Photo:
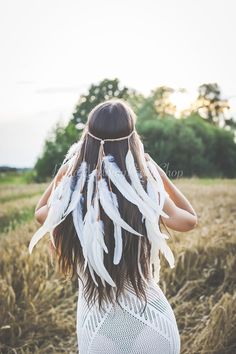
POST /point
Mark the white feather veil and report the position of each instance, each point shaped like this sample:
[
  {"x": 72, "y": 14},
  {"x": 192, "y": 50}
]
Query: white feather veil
[{"x": 68, "y": 197}]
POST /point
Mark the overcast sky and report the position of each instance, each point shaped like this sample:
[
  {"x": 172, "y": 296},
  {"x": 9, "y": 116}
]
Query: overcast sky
[{"x": 51, "y": 51}]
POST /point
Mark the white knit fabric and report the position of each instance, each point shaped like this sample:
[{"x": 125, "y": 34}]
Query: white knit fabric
[{"x": 113, "y": 330}]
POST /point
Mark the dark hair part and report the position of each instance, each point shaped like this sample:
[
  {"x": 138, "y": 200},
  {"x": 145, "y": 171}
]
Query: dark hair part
[{"x": 110, "y": 119}]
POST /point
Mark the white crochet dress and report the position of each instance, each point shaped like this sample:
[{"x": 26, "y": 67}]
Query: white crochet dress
[{"x": 128, "y": 330}]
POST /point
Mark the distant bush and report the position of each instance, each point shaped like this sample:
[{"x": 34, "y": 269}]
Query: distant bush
[
  {"x": 189, "y": 147},
  {"x": 54, "y": 150},
  {"x": 15, "y": 176}
]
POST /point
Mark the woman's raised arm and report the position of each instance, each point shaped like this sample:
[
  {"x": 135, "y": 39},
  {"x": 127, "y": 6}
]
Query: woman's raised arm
[
  {"x": 182, "y": 215},
  {"x": 41, "y": 209}
]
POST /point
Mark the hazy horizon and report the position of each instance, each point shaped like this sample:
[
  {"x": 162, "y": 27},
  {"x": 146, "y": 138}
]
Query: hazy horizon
[{"x": 53, "y": 51}]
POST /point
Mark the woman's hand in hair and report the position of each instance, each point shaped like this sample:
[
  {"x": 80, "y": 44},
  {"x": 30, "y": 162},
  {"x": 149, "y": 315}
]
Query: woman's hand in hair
[{"x": 182, "y": 215}]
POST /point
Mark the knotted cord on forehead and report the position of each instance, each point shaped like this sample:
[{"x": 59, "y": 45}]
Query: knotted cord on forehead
[
  {"x": 101, "y": 152},
  {"x": 111, "y": 139}
]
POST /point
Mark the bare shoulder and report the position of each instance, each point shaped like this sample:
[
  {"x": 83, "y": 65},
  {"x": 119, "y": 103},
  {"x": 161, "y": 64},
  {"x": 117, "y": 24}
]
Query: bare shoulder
[
  {"x": 63, "y": 168},
  {"x": 61, "y": 172}
]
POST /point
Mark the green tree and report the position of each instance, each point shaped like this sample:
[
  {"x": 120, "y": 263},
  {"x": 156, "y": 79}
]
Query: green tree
[
  {"x": 61, "y": 138},
  {"x": 158, "y": 104},
  {"x": 187, "y": 147},
  {"x": 211, "y": 106},
  {"x": 105, "y": 90},
  {"x": 173, "y": 145},
  {"x": 55, "y": 147},
  {"x": 162, "y": 101},
  {"x": 191, "y": 146}
]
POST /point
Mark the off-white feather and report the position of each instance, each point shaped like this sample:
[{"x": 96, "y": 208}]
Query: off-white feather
[
  {"x": 90, "y": 230},
  {"x": 94, "y": 249},
  {"x": 55, "y": 212},
  {"x": 136, "y": 183},
  {"x": 155, "y": 196},
  {"x": 92, "y": 273},
  {"x": 118, "y": 244},
  {"x": 88, "y": 233},
  {"x": 37, "y": 236},
  {"x": 157, "y": 177},
  {"x": 98, "y": 254},
  {"x": 77, "y": 215},
  {"x": 86, "y": 248},
  {"x": 157, "y": 266},
  {"x": 98, "y": 244},
  {"x": 90, "y": 187},
  {"x": 82, "y": 171},
  {"x": 157, "y": 183},
  {"x": 110, "y": 209},
  {"x": 158, "y": 241},
  {"x": 117, "y": 235},
  {"x": 99, "y": 225},
  {"x": 88, "y": 225},
  {"x": 119, "y": 180},
  {"x": 73, "y": 149}
]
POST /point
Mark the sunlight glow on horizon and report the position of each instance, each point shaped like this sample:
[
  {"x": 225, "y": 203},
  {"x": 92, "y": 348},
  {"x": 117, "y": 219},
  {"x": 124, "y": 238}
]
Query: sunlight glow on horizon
[{"x": 53, "y": 51}]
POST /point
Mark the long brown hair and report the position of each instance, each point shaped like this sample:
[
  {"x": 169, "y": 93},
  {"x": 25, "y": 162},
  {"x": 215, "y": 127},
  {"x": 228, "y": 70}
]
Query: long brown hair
[{"x": 113, "y": 118}]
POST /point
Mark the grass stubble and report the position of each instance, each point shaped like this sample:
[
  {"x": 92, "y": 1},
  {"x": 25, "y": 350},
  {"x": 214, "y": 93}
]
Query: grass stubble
[{"x": 38, "y": 306}]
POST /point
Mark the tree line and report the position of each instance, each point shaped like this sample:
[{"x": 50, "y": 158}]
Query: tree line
[{"x": 201, "y": 142}]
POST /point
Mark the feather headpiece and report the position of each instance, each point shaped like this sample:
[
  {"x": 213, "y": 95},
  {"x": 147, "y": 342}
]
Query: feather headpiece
[{"x": 67, "y": 197}]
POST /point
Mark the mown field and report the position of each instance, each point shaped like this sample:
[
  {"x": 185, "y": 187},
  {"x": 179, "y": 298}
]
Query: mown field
[{"x": 38, "y": 307}]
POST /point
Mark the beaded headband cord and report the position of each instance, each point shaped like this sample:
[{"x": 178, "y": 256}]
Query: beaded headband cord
[
  {"x": 69, "y": 197},
  {"x": 101, "y": 152},
  {"x": 113, "y": 139}
]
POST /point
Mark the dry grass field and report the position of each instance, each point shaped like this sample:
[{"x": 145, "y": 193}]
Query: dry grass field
[{"x": 38, "y": 307}]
